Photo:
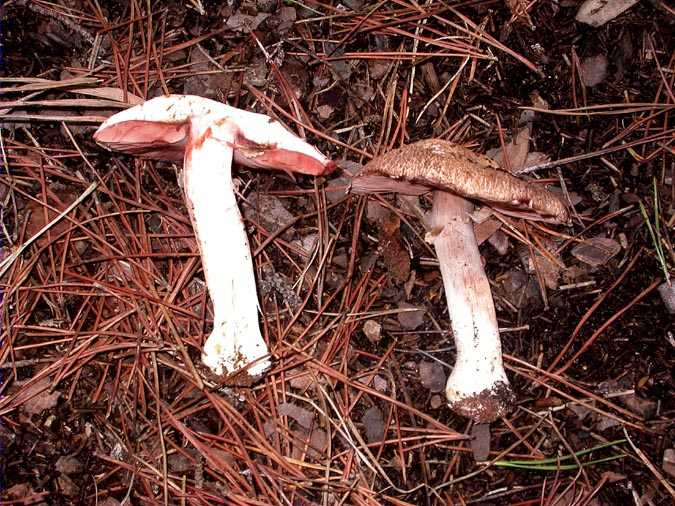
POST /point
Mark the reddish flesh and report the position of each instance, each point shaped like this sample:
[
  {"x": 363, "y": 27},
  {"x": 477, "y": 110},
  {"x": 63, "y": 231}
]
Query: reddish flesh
[
  {"x": 289, "y": 161},
  {"x": 165, "y": 141}
]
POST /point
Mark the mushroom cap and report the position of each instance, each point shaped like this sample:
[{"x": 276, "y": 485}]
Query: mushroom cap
[
  {"x": 447, "y": 166},
  {"x": 160, "y": 128}
]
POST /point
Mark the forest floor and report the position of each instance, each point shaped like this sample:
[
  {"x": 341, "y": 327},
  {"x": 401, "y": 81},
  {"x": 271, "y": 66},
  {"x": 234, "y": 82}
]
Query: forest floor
[{"x": 105, "y": 308}]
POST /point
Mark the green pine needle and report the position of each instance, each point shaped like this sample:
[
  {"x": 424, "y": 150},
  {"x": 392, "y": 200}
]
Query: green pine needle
[
  {"x": 655, "y": 232},
  {"x": 554, "y": 463}
]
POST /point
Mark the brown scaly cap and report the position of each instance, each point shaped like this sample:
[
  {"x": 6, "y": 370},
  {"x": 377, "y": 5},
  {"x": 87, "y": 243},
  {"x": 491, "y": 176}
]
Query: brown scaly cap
[{"x": 441, "y": 164}]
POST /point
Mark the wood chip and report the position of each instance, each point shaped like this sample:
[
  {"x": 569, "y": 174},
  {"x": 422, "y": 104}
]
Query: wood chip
[
  {"x": 67, "y": 486},
  {"x": 270, "y": 212},
  {"x": 594, "y": 70},
  {"x": 519, "y": 289},
  {"x": 667, "y": 293},
  {"x": 373, "y": 331},
  {"x": 596, "y": 251},
  {"x": 598, "y": 12},
  {"x": 515, "y": 151},
  {"x": 549, "y": 270},
  {"x": 646, "y": 408},
  {"x": 43, "y": 398},
  {"x": 318, "y": 442},
  {"x": 373, "y": 424},
  {"x": 300, "y": 379},
  {"x": 432, "y": 375},
  {"x": 244, "y": 23},
  {"x": 499, "y": 241},
  {"x": 68, "y": 464},
  {"x": 378, "y": 69},
  {"x": 410, "y": 320},
  {"x": 394, "y": 254},
  {"x": 669, "y": 462},
  {"x": 378, "y": 383},
  {"x": 179, "y": 463},
  {"x": 301, "y": 415},
  {"x": 283, "y": 19},
  {"x": 313, "y": 444},
  {"x": 203, "y": 81},
  {"x": 483, "y": 231},
  {"x": 480, "y": 441}
]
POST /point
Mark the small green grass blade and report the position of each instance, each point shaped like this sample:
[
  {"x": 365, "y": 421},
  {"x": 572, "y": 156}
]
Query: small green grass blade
[{"x": 553, "y": 463}]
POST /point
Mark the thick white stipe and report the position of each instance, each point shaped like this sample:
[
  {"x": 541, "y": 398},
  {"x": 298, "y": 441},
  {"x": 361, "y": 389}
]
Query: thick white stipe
[
  {"x": 235, "y": 340},
  {"x": 478, "y": 386}
]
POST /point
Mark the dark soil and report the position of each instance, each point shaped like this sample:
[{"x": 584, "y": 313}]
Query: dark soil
[{"x": 103, "y": 311}]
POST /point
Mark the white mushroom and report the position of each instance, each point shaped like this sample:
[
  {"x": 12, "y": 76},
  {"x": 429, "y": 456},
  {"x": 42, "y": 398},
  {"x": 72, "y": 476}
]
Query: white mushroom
[
  {"x": 477, "y": 387},
  {"x": 207, "y": 136}
]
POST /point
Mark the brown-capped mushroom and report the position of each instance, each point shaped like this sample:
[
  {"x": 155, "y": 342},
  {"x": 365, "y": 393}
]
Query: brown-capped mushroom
[
  {"x": 477, "y": 387},
  {"x": 207, "y": 136}
]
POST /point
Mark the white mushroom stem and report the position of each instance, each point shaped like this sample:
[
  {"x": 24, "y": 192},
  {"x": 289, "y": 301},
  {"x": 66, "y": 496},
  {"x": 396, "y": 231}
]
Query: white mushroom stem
[
  {"x": 207, "y": 136},
  {"x": 235, "y": 340},
  {"x": 477, "y": 387}
]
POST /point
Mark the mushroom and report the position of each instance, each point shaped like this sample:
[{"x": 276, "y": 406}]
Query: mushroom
[
  {"x": 207, "y": 136},
  {"x": 477, "y": 387}
]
